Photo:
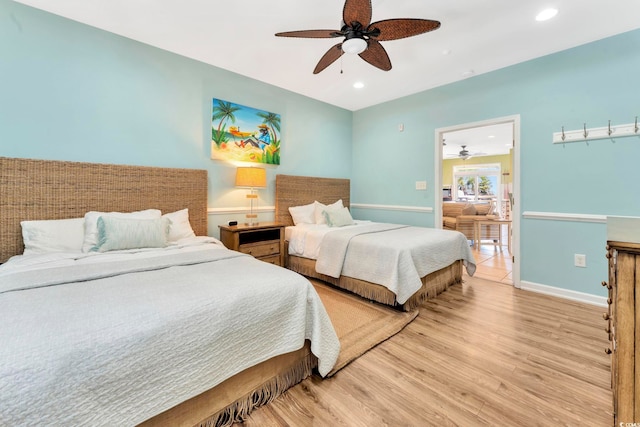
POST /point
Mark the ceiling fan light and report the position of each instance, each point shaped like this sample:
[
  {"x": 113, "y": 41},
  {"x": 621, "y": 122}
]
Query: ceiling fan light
[{"x": 355, "y": 45}]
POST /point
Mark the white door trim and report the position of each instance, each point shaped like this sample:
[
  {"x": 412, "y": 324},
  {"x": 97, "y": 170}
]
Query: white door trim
[{"x": 515, "y": 212}]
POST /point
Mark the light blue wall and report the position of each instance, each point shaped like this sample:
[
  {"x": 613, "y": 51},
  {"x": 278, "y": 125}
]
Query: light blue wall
[
  {"x": 72, "y": 92},
  {"x": 592, "y": 83}
]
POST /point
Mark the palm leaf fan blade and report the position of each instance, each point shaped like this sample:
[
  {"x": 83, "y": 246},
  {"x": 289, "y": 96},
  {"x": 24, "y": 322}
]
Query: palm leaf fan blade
[
  {"x": 394, "y": 29},
  {"x": 311, "y": 34},
  {"x": 329, "y": 58},
  {"x": 376, "y": 55},
  {"x": 357, "y": 11}
]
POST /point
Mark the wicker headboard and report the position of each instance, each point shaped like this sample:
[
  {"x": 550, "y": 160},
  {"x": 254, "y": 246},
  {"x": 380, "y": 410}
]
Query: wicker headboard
[
  {"x": 48, "y": 189},
  {"x": 302, "y": 190}
]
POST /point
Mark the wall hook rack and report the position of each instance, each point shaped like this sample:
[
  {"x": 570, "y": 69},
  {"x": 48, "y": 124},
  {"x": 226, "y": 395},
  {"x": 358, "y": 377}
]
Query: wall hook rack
[{"x": 588, "y": 134}]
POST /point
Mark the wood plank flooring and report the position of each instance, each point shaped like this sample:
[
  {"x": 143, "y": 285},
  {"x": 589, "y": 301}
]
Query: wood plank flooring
[{"x": 481, "y": 354}]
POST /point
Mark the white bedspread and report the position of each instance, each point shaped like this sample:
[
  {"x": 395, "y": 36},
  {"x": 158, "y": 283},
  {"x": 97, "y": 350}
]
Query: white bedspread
[
  {"x": 394, "y": 256},
  {"x": 79, "y": 346}
]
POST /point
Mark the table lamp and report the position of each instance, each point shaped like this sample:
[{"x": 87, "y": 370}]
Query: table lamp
[{"x": 251, "y": 178}]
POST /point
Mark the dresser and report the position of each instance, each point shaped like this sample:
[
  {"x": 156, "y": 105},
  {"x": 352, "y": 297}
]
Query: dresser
[
  {"x": 623, "y": 327},
  {"x": 264, "y": 241}
]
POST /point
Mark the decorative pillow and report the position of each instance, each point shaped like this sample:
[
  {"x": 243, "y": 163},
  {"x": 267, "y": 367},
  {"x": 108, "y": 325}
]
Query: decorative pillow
[
  {"x": 116, "y": 233},
  {"x": 91, "y": 223},
  {"x": 180, "y": 226},
  {"x": 469, "y": 209},
  {"x": 319, "y": 217},
  {"x": 57, "y": 235},
  {"x": 303, "y": 214},
  {"x": 337, "y": 217}
]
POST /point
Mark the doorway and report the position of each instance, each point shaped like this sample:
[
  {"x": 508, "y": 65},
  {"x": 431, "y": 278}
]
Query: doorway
[{"x": 479, "y": 163}]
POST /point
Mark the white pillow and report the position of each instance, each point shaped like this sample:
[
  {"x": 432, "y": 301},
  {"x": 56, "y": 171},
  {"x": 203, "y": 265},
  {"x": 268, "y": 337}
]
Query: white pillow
[
  {"x": 303, "y": 214},
  {"x": 338, "y": 217},
  {"x": 116, "y": 233},
  {"x": 319, "y": 217},
  {"x": 91, "y": 223},
  {"x": 180, "y": 227},
  {"x": 56, "y": 235}
]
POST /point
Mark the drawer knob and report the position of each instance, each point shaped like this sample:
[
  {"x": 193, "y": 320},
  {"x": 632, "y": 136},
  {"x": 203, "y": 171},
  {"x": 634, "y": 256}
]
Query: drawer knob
[
  {"x": 609, "y": 301},
  {"x": 608, "y": 255},
  {"x": 605, "y": 316},
  {"x": 607, "y": 350}
]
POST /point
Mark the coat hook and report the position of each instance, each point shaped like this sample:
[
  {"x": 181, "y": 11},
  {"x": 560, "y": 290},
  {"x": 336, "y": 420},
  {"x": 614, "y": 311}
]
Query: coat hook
[
  {"x": 565, "y": 136},
  {"x": 609, "y": 132},
  {"x": 586, "y": 134}
]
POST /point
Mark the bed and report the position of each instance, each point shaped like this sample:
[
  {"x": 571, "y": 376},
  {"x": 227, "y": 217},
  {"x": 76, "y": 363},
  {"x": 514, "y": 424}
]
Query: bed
[
  {"x": 300, "y": 191},
  {"x": 141, "y": 342}
]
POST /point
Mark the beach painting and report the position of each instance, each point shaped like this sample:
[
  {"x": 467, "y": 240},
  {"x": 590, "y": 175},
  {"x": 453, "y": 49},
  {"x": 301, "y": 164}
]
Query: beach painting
[{"x": 244, "y": 134}]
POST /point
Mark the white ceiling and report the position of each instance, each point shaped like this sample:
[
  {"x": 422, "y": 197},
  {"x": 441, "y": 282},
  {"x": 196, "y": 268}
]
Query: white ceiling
[
  {"x": 480, "y": 141},
  {"x": 238, "y": 35}
]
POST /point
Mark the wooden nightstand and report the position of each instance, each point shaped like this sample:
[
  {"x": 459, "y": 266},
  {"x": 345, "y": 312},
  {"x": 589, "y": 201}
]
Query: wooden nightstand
[{"x": 264, "y": 241}]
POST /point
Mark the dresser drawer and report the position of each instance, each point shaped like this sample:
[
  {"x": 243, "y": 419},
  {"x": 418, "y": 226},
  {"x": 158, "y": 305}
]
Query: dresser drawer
[{"x": 261, "y": 249}]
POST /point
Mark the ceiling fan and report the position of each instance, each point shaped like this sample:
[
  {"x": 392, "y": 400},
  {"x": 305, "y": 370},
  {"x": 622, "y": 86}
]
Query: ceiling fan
[
  {"x": 363, "y": 37},
  {"x": 464, "y": 154}
]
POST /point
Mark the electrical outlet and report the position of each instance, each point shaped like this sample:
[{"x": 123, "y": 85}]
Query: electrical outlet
[
  {"x": 421, "y": 185},
  {"x": 580, "y": 260}
]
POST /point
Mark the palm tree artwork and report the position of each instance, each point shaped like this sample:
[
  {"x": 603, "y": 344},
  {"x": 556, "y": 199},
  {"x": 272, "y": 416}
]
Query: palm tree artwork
[{"x": 244, "y": 134}]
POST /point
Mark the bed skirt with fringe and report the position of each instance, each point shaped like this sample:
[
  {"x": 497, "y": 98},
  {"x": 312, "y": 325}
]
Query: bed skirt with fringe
[
  {"x": 432, "y": 284},
  {"x": 234, "y": 399}
]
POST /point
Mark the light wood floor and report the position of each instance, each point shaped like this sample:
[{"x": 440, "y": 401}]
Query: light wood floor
[{"x": 481, "y": 354}]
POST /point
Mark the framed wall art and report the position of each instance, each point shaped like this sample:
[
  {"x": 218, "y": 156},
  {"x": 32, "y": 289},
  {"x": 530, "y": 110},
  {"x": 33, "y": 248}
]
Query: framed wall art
[{"x": 244, "y": 134}]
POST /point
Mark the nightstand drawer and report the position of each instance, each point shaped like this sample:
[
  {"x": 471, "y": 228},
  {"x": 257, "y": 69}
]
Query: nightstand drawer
[
  {"x": 271, "y": 259},
  {"x": 261, "y": 249}
]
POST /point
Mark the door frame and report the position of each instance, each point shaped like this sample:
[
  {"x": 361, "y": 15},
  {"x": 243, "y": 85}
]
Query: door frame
[{"x": 515, "y": 209}]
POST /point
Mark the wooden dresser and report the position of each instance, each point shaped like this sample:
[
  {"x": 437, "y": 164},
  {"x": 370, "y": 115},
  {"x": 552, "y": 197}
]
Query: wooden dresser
[{"x": 623, "y": 326}]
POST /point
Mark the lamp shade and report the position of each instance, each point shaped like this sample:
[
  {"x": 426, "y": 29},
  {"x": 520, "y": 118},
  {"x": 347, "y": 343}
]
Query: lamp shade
[
  {"x": 251, "y": 177},
  {"x": 354, "y": 45}
]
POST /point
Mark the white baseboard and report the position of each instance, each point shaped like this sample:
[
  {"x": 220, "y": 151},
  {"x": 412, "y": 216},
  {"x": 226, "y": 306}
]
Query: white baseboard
[{"x": 564, "y": 293}]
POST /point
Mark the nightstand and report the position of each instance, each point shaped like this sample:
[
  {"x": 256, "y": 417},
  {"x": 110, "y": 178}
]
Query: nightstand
[{"x": 264, "y": 241}]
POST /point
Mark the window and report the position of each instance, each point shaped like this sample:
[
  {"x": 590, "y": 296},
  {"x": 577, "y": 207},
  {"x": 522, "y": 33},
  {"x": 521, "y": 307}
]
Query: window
[{"x": 477, "y": 182}]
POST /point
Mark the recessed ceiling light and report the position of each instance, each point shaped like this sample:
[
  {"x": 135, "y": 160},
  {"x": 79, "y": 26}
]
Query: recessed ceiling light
[
  {"x": 446, "y": 51},
  {"x": 546, "y": 14},
  {"x": 358, "y": 85},
  {"x": 468, "y": 73},
  {"x": 491, "y": 136}
]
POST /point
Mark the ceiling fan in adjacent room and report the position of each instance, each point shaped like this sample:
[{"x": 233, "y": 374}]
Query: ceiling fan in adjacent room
[
  {"x": 464, "y": 154},
  {"x": 363, "y": 37}
]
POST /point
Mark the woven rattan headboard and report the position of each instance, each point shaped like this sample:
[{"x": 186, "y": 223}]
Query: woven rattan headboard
[
  {"x": 302, "y": 190},
  {"x": 48, "y": 189}
]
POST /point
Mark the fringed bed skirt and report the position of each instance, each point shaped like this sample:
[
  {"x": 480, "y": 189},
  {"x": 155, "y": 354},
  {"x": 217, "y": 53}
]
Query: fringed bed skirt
[
  {"x": 432, "y": 284},
  {"x": 234, "y": 399}
]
